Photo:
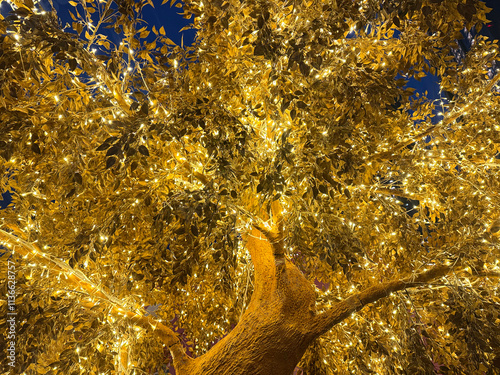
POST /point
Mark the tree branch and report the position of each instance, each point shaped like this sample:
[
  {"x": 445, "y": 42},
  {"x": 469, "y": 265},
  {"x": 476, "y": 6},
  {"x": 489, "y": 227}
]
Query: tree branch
[
  {"x": 265, "y": 244},
  {"x": 199, "y": 176},
  {"x": 264, "y": 263},
  {"x": 79, "y": 280},
  {"x": 274, "y": 233},
  {"x": 398, "y": 193},
  {"x": 342, "y": 310}
]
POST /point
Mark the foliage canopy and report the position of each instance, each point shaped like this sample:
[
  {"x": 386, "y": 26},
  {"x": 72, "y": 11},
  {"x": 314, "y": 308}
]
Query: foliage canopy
[{"x": 142, "y": 165}]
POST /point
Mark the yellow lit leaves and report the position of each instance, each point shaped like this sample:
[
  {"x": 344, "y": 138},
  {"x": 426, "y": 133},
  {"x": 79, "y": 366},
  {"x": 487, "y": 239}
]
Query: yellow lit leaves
[
  {"x": 143, "y": 33},
  {"x": 184, "y": 170}
]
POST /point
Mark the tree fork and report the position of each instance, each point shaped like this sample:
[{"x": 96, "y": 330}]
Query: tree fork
[
  {"x": 277, "y": 327},
  {"x": 272, "y": 334},
  {"x": 281, "y": 320}
]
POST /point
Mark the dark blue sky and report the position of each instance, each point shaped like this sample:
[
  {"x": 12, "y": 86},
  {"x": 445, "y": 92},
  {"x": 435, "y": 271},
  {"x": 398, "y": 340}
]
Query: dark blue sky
[{"x": 493, "y": 28}]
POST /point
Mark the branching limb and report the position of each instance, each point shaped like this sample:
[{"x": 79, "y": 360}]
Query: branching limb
[
  {"x": 274, "y": 232},
  {"x": 342, "y": 310},
  {"x": 272, "y": 236}
]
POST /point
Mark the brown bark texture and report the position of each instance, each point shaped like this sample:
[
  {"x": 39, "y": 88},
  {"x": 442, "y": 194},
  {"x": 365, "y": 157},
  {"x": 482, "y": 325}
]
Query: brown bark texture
[{"x": 281, "y": 320}]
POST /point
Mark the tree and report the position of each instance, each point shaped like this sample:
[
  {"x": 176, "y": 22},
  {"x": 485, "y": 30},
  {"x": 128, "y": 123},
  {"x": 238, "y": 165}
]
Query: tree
[{"x": 276, "y": 189}]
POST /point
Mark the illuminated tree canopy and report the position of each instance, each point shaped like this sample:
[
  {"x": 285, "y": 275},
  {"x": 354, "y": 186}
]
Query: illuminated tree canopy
[{"x": 276, "y": 189}]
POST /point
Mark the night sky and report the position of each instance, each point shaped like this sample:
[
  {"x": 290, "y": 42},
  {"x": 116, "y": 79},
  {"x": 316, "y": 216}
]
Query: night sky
[{"x": 493, "y": 28}]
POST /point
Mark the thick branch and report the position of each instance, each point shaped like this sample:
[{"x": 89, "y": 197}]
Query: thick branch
[
  {"x": 261, "y": 252},
  {"x": 274, "y": 233},
  {"x": 79, "y": 280},
  {"x": 342, "y": 310}
]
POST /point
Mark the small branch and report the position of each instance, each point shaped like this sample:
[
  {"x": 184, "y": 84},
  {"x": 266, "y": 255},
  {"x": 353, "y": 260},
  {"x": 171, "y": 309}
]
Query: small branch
[
  {"x": 398, "y": 193},
  {"x": 101, "y": 19},
  {"x": 342, "y": 310},
  {"x": 199, "y": 176},
  {"x": 486, "y": 273}
]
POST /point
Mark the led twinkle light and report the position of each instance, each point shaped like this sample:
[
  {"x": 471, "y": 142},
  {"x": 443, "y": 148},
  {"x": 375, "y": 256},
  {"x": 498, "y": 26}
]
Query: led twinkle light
[{"x": 152, "y": 174}]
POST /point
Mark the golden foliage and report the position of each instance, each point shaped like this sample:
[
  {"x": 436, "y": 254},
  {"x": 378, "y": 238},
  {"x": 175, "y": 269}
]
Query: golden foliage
[{"x": 142, "y": 163}]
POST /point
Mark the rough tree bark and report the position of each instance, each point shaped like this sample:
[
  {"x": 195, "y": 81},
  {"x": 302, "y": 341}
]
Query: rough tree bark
[{"x": 281, "y": 320}]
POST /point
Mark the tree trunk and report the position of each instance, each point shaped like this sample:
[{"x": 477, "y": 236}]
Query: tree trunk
[
  {"x": 275, "y": 330},
  {"x": 278, "y": 325},
  {"x": 281, "y": 320}
]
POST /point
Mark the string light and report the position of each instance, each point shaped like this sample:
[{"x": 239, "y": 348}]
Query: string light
[{"x": 338, "y": 169}]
